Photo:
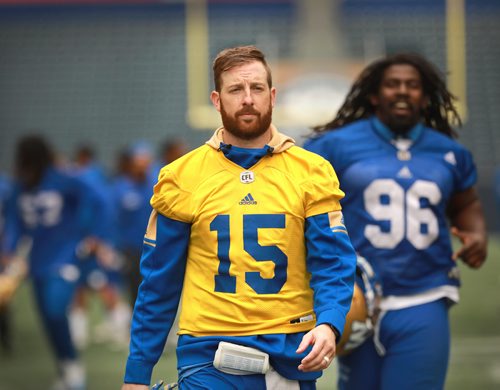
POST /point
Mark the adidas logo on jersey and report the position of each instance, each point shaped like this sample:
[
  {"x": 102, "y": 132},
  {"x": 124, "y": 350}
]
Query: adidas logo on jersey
[
  {"x": 405, "y": 173},
  {"x": 248, "y": 199},
  {"x": 450, "y": 157}
]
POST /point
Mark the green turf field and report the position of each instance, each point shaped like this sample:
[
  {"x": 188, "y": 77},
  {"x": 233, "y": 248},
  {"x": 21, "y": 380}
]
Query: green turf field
[{"x": 475, "y": 360}]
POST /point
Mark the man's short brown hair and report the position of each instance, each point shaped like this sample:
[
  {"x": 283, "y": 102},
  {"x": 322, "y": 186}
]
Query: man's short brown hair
[{"x": 236, "y": 56}]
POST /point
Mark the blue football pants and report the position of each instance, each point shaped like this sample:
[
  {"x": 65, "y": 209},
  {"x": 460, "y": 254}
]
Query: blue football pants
[
  {"x": 209, "y": 378},
  {"x": 417, "y": 344},
  {"x": 54, "y": 296}
]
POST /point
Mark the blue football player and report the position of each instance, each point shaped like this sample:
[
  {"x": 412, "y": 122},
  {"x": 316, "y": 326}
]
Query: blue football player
[
  {"x": 170, "y": 150},
  {"x": 102, "y": 273},
  {"x": 249, "y": 228},
  {"x": 132, "y": 191},
  {"x": 408, "y": 183},
  {"x": 48, "y": 205}
]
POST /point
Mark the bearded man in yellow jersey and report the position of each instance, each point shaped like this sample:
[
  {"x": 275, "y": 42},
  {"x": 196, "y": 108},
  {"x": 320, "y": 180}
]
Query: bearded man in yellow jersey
[{"x": 249, "y": 228}]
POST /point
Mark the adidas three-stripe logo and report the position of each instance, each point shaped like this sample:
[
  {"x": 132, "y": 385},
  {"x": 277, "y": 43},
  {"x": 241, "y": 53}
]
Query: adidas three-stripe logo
[{"x": 248, "y": 199}]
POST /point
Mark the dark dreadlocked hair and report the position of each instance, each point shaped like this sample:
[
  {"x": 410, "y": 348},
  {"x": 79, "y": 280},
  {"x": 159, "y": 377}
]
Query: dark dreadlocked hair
[
  {"x": 438, "y": 113},
  {"x": 33, "y": 157}
]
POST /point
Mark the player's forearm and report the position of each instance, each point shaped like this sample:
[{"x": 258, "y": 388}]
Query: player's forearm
[
  {"x": 465, "y": 211},
  {"x": 331, "y": 260},
  {"x": 471, "y": 218},
  {"x": 470, "y": 228}
]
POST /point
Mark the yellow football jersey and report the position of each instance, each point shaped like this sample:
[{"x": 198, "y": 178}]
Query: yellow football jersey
[{"x": 246, "y": 264}]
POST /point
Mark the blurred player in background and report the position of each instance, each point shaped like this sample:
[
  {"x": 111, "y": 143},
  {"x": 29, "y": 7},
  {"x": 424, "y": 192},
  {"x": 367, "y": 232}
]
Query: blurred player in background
[
  {"x": 48, "y": 205},
  {"x": 132, "y": 191},
  {"x": 249, "y": 228},
  {"x": 102, "y": 274},
  {"x": 5, "y": 323},
  {"x": 170, "y": 151},
  {"x": 407, "y": 181}
]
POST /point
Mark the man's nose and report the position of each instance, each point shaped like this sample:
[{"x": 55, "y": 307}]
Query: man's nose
[
  {"x": 403, "y": 89},
  {"x": 247, "y": 97}
]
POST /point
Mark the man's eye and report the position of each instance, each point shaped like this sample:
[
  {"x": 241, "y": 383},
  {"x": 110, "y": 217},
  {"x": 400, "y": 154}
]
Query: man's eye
[{"x": 391, "y": 84}]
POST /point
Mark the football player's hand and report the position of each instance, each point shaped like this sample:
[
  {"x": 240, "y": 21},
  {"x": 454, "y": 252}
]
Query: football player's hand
[
  {"x": 106, "y": 256},
  {"x": 11, "y": 278},
  {"x": 322, "y": 338},
  {"x": 473, "y": 250},
  {"x": 8, "y": 286},
  {"x": 131, "y": 386}
]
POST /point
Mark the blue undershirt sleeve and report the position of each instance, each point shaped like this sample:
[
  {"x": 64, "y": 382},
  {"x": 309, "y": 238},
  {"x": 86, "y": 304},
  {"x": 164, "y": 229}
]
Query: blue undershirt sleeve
[
  {"x": 331, "y": 260},
  {"x": 163, "y": 265}
]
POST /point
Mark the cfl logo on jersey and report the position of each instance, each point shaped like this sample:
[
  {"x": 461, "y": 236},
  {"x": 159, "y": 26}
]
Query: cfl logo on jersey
[
  {"x": 248, "y": 200},
  {"x": 247, "y": 177}
]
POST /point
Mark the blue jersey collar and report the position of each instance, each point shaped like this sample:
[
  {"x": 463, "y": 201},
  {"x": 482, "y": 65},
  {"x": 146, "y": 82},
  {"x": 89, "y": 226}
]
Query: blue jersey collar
[
  {"x": 244, "y": 157},
  {"x": 389, "y": 135}
]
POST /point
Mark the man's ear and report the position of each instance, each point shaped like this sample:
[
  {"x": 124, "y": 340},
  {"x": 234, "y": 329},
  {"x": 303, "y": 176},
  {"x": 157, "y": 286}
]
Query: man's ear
[
  {"x": 215, "y": 98},
  {"x": 273, "y": 96}
]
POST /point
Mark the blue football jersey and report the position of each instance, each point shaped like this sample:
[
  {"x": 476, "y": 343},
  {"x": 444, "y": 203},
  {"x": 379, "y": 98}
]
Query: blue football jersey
[
  {"x": 396, "y": 200},
  {"x": 93, "y": 175},
  {"x": 51, "y": 214},
  {"x": 133, "y": 210}
]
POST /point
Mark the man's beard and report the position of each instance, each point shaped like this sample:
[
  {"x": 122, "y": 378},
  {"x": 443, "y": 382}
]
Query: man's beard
[
  {"x": 401, "y": 125},
  {"x": 247, "y": 131}
]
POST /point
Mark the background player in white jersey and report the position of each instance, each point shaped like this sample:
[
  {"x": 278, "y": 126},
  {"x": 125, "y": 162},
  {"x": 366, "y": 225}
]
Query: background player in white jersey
[
  {"x": 249, "y": 227},
  {"x": 407, "y": 183}
]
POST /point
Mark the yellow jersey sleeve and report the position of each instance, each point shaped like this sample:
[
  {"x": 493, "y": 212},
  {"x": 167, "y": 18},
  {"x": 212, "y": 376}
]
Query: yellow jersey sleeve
[
  {"x": 322, "y": 193},
  {"x": 170, "y": 199}
]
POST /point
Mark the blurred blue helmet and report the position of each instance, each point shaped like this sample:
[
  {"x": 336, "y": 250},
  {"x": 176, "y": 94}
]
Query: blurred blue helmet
[{"x": 140, "y": 148}]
